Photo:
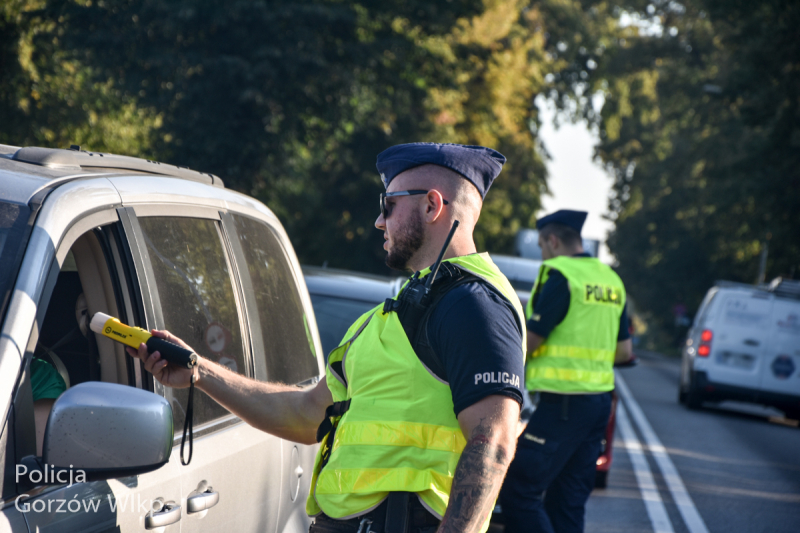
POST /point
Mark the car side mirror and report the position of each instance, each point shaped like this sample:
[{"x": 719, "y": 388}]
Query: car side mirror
[{"x": 99, "y": 431}]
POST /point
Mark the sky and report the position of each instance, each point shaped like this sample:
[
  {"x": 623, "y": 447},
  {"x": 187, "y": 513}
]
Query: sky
[{"x": 575, "y": 181}]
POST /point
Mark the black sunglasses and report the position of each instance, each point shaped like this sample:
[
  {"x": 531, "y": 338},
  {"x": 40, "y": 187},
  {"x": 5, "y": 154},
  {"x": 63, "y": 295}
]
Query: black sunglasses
[{"x": 384, "y": 195}]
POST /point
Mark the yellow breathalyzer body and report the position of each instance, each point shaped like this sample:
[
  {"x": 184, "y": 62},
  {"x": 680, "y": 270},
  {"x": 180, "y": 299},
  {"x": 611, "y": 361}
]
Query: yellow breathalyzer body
[{"x": 112, "y": 328}]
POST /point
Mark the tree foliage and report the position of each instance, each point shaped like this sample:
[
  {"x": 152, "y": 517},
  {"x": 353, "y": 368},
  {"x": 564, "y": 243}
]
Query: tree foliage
[
  {"x": 290, "y": 101},
  {"x": 701, "y": 129},
  {"x": 49, "y": 98}
]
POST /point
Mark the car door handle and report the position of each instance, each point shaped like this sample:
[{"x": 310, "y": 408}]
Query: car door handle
[
  {"x": 169, "y": 514},
  {"x": 201, "y": 502},
  {"x": 751, "y": 342}
]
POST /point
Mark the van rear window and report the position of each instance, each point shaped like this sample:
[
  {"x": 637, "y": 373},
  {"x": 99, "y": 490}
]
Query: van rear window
[{"x": 745, "y": 312}]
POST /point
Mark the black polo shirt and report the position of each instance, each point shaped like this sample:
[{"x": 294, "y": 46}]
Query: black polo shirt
[{"x": 477, "y": 338}]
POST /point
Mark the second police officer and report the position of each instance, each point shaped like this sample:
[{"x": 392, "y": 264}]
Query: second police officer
[{"x": 577, "y": 329}]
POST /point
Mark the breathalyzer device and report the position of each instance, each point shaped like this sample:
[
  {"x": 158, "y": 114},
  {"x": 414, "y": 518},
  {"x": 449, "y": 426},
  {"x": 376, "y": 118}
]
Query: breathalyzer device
[{"x": 112, "y": 328}]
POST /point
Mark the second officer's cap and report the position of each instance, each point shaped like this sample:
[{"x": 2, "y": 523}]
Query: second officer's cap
[
  {"x": 567, "y": 217},
  {"x": 478, "y": 164}
]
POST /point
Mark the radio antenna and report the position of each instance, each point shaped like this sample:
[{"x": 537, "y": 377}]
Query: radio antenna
[{"x": 438, "y": 262}]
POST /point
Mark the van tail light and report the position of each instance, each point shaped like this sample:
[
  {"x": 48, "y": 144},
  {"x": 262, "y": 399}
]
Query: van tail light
[{"x": 705, "y": 343}]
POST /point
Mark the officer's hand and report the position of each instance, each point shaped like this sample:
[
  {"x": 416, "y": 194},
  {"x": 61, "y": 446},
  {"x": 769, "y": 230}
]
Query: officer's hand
[{"x": 165, "y": 373}]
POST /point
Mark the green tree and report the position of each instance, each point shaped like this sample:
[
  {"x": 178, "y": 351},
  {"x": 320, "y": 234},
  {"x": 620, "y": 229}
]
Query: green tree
[
  {"x": 49, "y": 98},
  {"x": 292, "y": 101},
  {"x": 701, "y": 129}
]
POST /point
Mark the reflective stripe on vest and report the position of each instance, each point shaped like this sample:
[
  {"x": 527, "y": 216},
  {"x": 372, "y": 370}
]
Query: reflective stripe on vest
[
  {"x": 400, "y": 432},
  {"x": 578, "y": 355}
]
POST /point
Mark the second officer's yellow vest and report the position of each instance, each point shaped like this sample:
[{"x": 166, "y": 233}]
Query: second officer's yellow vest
[
  {"x": 400, "y": 432},
  {"x": 578, "y": 355}
]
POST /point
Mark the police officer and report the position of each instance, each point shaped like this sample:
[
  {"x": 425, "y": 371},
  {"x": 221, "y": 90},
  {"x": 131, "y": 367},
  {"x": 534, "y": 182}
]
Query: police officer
[
  {"x": 577, "y": 329},
  {"x": 418, "y": 423}
]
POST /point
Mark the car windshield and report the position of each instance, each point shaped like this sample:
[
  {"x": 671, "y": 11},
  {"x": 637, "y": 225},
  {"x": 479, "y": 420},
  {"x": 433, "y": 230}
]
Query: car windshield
[
  {"x": 334, "y": 316},
  {"x": 13, "y": 225}
]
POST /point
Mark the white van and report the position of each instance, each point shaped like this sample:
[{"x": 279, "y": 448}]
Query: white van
[{"x": 745, "y": 345}]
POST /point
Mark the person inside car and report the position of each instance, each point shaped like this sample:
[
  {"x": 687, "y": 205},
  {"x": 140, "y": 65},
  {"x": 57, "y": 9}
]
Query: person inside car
[{"x": 47, "y": 385}]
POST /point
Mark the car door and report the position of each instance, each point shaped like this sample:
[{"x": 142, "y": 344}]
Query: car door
[
  {"x": 286, "y": 346},
  {"x": 74, "y": 249},
  {"x": 740, "y": 334},
  {"x": 230, "y": 483},
  {"x": 781, "y": 362}
]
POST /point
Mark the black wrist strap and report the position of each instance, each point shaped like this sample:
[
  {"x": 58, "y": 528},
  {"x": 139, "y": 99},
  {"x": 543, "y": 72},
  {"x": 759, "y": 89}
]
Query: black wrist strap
[
  {"x": 188, "y": 423},
  {"x": 336, "y": 409}
]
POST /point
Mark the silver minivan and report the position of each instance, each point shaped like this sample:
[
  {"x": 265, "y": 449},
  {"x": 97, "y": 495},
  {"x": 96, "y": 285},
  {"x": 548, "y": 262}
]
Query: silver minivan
[
  {"x": 744, "y": 345},
  {"x": 159, "y": 247}
]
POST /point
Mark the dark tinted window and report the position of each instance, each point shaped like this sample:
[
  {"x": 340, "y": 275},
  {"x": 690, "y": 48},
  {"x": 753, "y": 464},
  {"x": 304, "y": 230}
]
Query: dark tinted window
[
  {"x": 13, "y": 223},
  {"x": 334, "y": 316},
  {"x": 288, "y": 347},
  {"x": 197, "y": 299}
]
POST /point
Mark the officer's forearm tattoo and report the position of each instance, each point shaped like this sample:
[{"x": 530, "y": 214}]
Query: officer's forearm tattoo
[{"x": 477, "y": 481}]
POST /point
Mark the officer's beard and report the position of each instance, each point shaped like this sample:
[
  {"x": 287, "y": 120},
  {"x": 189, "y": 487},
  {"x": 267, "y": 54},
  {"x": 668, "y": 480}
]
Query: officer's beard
[{"x": 406, "y": 243}]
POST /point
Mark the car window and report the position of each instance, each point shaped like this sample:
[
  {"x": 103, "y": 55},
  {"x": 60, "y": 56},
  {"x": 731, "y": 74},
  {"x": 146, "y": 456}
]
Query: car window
[
  {"x": 334, "y": 316},
  {"x": 13, "y": 221},
  {"x": 743, "y": 311},
  {"x": 288, "y": 347},
  {"x": 197, "y": 299},
  {"x": 705, "y": 308}
]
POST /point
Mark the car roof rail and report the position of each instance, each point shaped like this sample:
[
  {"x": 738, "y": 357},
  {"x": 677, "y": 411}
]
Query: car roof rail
[
  {"x": 785, "y": 287},
  {"x": 736, "y": 285},
  {"x": 76, "y": 158}
]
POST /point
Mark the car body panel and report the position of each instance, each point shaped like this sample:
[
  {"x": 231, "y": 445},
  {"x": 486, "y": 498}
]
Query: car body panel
[
  {"x": 781, "y": 362},
  {"x": 116, "y": 505},
  {"x": 171, "y": 191},
  {"x": 740, "y": 335},
  {"x": 249, "y": 496}
]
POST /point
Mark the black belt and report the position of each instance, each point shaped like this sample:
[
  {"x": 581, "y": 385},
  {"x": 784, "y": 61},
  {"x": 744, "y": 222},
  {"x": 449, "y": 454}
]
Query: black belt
[
  {"x": 401, "y": 512},
  {"x": 552, "y": 397},
  {"x": 563, "y": 399}
]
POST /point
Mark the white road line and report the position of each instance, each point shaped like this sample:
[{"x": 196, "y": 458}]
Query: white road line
[
  {"x": 692, "y": 519},
  {"x": 644, "y": 477}
]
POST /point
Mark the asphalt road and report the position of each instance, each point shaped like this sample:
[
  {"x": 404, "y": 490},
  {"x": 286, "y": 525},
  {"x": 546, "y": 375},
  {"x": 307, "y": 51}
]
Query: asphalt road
[{"x": 730, "y": 467}]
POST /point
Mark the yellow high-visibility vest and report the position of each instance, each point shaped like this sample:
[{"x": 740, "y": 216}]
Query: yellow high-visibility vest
[
  {"x": 400, "y": 432},
  {"x": 578, "y": 355}
]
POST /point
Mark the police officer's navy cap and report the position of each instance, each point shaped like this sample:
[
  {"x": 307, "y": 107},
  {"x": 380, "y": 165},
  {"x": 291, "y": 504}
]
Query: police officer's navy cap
[
  {"x": 478, "y": 164},
  {"x": 572, "y": 219}
]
